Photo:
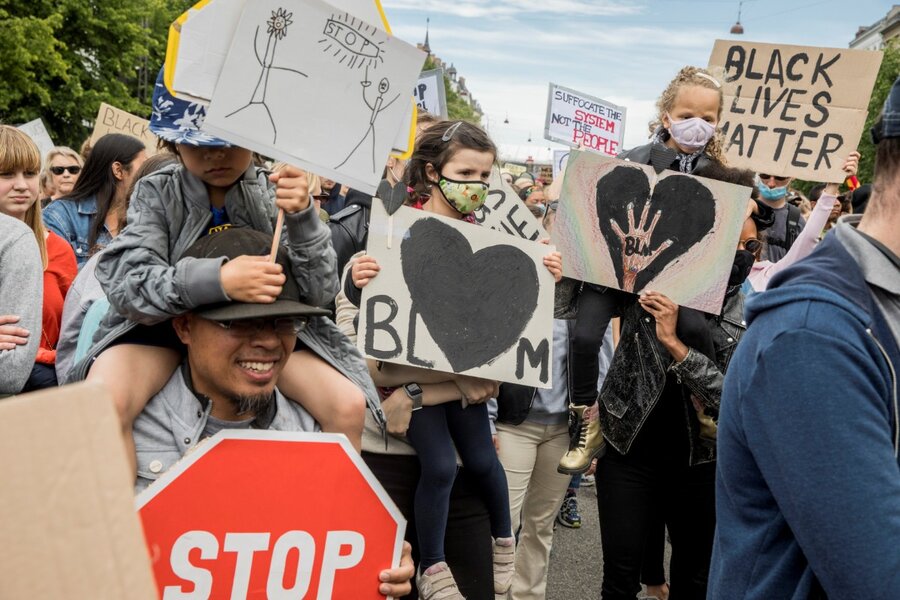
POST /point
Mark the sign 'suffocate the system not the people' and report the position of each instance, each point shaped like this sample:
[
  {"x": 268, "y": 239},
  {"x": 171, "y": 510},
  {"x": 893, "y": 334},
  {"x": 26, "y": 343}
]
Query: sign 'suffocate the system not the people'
[{"x": 578, "y": 120}]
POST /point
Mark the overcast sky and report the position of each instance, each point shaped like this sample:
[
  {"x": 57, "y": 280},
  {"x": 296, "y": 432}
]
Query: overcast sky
[{"x": 624, "y": 51}]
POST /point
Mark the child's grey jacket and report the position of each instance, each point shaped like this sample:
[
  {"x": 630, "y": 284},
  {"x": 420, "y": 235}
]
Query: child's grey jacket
[{"x": 147, "y": 281}]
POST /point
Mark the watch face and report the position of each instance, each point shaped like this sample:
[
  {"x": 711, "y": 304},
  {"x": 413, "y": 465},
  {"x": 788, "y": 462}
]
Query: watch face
[{"x": 413, "y": 388}]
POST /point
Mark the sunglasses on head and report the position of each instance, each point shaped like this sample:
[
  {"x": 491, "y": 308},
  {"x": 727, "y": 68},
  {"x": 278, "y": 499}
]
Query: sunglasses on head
[
  {"x": 74, "y": 170},
  {"x": 763, "y": 176}
]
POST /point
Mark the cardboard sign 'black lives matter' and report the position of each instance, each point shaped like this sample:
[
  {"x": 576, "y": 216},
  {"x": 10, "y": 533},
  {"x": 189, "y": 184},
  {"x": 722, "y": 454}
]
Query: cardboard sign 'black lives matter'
[{"x": 793, "y": 110}]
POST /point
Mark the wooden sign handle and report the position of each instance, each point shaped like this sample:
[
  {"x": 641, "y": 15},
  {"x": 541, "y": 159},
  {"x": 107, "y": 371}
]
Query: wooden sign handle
[{"x": 276, "y": 239}]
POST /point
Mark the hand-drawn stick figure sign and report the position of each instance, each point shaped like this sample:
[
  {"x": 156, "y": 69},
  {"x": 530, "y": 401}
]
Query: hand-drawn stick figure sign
[
  {"x": 277, "y": 30},
  {"x": 463, "y": 297},
  {"x": 377, "y": 106},
  {"x": 683, "y": 212},
  {"x": 354, "y": 39}
]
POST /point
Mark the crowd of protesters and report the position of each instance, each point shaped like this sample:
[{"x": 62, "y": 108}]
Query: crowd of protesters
[{"x": 761, "y": 441}]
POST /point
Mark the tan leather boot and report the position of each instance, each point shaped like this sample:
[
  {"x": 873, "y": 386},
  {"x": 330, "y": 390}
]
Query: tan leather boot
[{"x": 585, "y": 445}]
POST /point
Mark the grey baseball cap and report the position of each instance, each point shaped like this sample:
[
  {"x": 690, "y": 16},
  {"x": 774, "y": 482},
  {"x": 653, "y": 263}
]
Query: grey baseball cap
[{"x": 239, "y": 241}]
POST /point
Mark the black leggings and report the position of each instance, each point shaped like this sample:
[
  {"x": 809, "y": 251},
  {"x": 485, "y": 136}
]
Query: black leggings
[
  {"x": 433, "y": 431},
  {"x": 635, "y": 490},
  {"x": 468, "y": 539},
  {"x": 596, "y": 307},
  {"x": 42, "y": 377},
  {"x": 653, "y": 567}
]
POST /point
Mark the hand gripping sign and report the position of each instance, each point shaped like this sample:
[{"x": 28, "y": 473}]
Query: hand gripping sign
[{"x": 266, "y": 514}]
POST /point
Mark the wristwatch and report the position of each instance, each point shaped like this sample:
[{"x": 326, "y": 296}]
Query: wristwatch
[{"x": 414, "y": 391}]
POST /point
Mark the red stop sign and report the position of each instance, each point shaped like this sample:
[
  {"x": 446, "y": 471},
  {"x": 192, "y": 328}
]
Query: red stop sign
[{"x": 267, "y": 514}]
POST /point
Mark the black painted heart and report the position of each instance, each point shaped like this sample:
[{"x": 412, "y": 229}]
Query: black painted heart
[
  {"x": 475, "y": 305},
  {"x": 647, "y": 232},
  {"x": 393, "y": 197}
]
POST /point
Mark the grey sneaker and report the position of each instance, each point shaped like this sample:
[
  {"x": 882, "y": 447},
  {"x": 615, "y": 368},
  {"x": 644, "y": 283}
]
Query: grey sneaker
[{"x": 439, "y": 585}]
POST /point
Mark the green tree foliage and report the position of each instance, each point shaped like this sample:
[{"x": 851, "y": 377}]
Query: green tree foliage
[
  {"x": 890, "y": 69},
  {"x": 457, "y": 107},
  {"x": 60, "y": 59}
]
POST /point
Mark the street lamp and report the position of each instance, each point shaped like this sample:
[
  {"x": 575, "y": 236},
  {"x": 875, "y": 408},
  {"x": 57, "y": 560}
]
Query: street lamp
[
  {"x": 737, "y": 28},
  {"x": 506, "y": 120}
]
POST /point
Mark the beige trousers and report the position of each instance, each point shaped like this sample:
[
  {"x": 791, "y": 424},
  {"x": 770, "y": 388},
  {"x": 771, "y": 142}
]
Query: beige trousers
[{"x": 529, "y": 454}]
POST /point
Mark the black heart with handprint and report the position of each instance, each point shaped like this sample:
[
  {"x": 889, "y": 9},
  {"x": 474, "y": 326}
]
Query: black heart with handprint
[
  {"x": 646, "y": 232},
  {"x": 475, "y": 305}
]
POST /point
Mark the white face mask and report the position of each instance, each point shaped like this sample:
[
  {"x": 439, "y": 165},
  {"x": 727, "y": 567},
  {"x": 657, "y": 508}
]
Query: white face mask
[{"x": 691, "y": 134}]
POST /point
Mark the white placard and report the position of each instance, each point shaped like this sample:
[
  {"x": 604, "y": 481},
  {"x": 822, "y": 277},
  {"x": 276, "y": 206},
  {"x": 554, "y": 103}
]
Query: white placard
[
  {"x": 560, "y": 159},
  {"x": 578, "y": 120},
  {"x": 317, "y": 87},
  {"x": 37, "y": 131},
  {"x": 458, "y": 298},
  {"x": 207, "y": 35},
  {"x": 505, "y": 211},
  {"x": 430, "y": 95}
]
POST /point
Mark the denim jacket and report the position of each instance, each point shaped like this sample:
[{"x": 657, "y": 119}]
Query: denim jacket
[
  {"x": 173, "y": 421},
  {"x": 637, "y": 377},
  {"x": 71, "y": 220}
]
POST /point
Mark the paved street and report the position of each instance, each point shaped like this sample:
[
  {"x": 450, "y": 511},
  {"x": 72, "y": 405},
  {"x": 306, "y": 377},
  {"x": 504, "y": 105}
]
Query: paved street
[{"x": 576, "y": 563}]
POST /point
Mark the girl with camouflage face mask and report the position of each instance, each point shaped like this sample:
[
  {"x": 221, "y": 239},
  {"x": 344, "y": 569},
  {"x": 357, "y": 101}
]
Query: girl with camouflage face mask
[{"x": 449, "y": 172}]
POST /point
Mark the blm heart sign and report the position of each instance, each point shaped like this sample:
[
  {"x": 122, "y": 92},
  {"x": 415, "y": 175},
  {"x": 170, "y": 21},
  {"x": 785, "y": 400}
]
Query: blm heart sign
[
  {"x": 456, "y": 297},
  {"x": 622, "y": 225}
]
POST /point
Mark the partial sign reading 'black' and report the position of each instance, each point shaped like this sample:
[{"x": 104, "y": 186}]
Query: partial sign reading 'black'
[
  {"x": 475, "y": 305},
  {"x": 645, "y": 232}
]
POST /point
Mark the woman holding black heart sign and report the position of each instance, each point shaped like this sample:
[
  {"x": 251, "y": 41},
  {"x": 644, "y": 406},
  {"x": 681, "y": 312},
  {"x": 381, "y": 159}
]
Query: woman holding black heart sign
[
  {"x": 666, "y": 375},
  {"x": 683, "y": 140},
  {"x": 657, "y": 407},
  {"x": 454, "y": 160}
]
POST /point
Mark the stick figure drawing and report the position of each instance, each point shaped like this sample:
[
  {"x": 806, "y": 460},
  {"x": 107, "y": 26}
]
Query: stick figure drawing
[
  {"x": 277, "y": 30},
  {"x": 377, "y": 107}
]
